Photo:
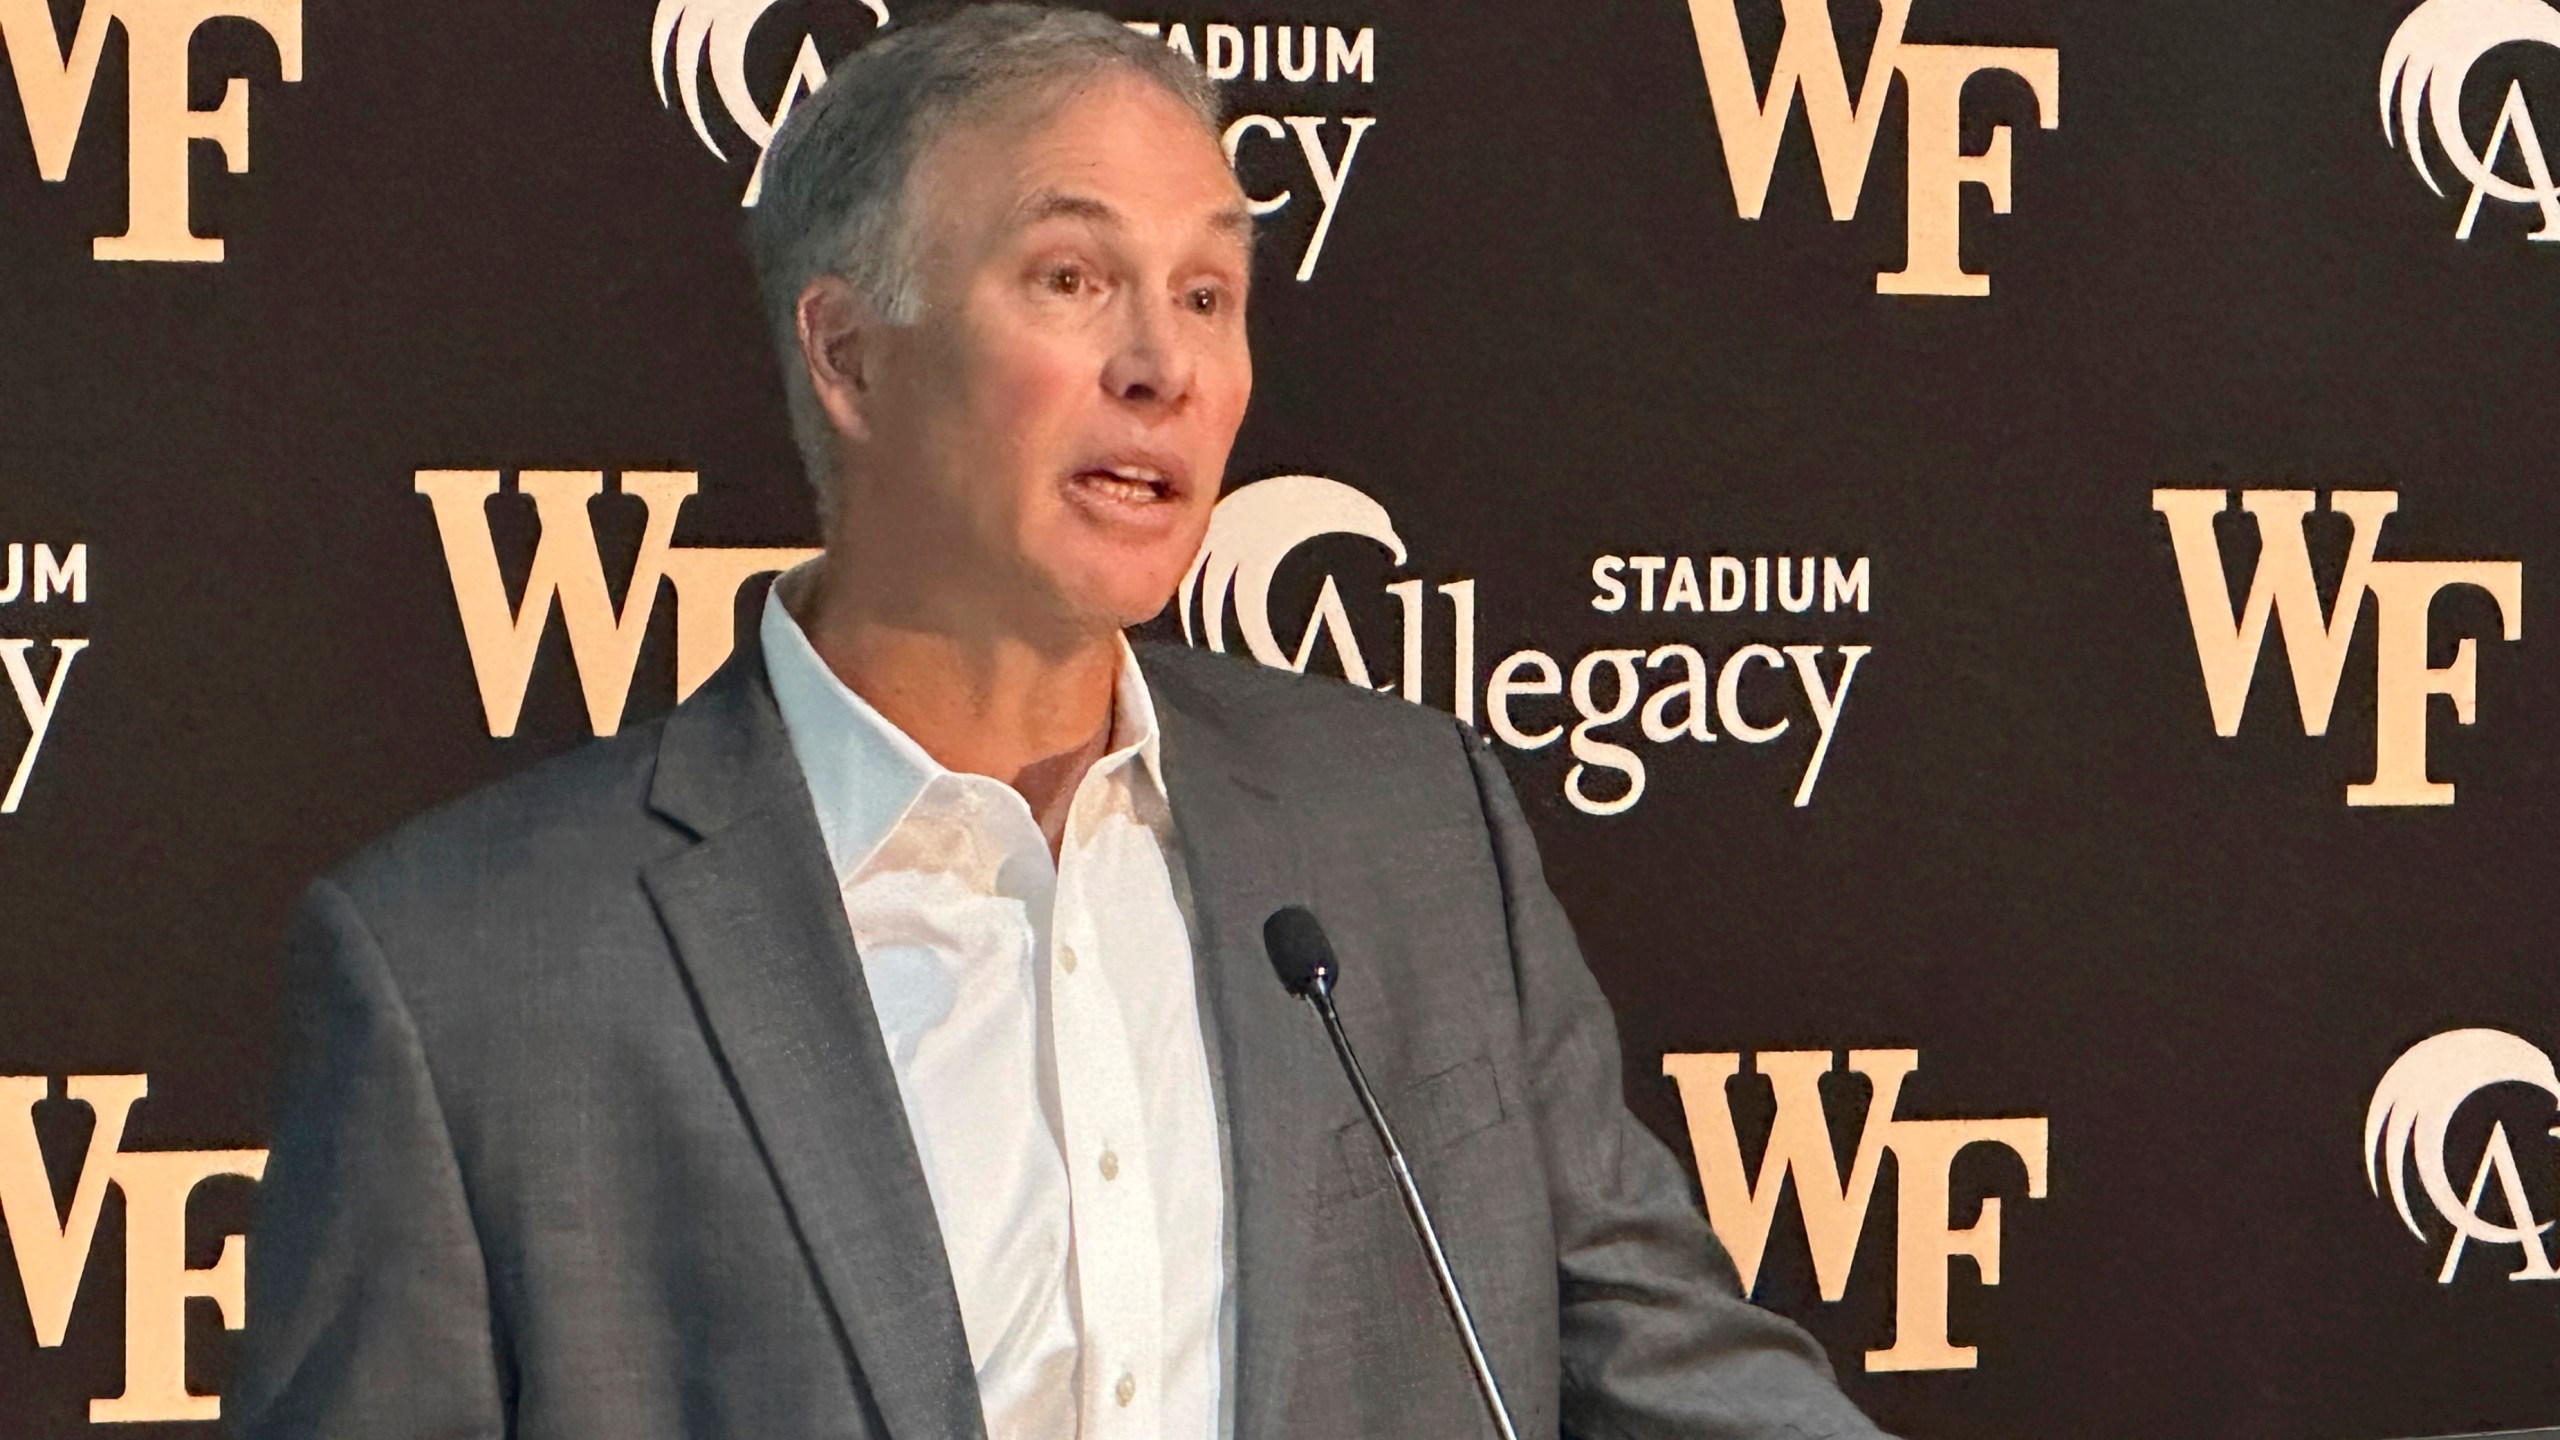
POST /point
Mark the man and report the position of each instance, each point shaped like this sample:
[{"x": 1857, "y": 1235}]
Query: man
[{"x": 883, "y": 1044}]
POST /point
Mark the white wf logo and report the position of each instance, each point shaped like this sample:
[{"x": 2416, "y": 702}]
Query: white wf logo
[
  {"x": 2429, "y": 58},
  {"x": 2316, "y": 644},
  {"x": 161, "y": 124},
  {"x": 2412, "y": 1112},
  {"x": 1744, "y": 1208},
  {"x": 51, "y": 1245},
  {"x": 693, "y": 38},
  {"x": 1752, "y": 124},
  {"x": 568, "y": 569}
]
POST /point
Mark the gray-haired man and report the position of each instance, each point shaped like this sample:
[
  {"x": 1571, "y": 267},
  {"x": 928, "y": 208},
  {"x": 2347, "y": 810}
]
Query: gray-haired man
[{"x": 882, "y": 1044}]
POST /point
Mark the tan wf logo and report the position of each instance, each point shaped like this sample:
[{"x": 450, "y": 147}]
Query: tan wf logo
[
  {"x": 2315, "y": 643},
  {"x": 1752, "y": 124},
  {"x": 568, "y": 569},
  {"x": 54, "y": 86},
  {"x": 51, "y": 1246},
  {"x": 1743, "y": 1209}
]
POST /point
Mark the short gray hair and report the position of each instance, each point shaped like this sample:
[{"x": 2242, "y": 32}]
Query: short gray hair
[{"x": 836, "y": 175}]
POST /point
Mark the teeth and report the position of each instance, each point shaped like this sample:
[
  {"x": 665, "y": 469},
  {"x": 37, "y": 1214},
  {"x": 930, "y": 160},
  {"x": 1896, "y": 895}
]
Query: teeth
[{"x": 1129, "y": 483}]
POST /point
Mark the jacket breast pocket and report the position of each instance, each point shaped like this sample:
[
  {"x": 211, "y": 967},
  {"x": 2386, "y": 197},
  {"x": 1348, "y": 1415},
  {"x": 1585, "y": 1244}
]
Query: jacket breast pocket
[{"x": 1429, "y": 1117}]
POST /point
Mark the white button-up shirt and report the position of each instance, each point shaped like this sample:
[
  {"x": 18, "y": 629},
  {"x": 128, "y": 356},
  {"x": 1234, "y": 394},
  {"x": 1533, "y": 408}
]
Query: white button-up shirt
[{"x": 1041, "y": 1020}]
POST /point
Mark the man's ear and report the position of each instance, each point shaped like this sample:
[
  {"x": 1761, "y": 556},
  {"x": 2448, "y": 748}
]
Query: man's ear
[{"x": 840, "y": 346}]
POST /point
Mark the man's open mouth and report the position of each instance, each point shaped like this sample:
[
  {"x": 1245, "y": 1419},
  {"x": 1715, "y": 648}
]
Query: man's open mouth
[{"x": 1130, "y": 483}]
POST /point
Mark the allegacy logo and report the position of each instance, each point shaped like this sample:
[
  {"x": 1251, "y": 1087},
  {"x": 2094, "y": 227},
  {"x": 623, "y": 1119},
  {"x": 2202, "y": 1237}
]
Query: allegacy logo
[
  {"x": 1752, "y": 124},
  {"x": 2412, "y": 1112},
  {"x": 2403, "y": 591},
  {"x": 54, "y": 85},
  {"x": 2430, "y": 56},
  {"x": 692, "y": 36},
  {"x": 1666, "y": 691},
  {"x": 692, "y": 39},
  {"x": 38, "y": 575}
]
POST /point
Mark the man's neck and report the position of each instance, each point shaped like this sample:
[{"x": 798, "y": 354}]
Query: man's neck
[{"x": 981, "y": 701}]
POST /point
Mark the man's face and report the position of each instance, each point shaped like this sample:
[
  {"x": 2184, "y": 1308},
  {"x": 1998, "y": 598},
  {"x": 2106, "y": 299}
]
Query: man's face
[{"x": 1047, "y": 443}]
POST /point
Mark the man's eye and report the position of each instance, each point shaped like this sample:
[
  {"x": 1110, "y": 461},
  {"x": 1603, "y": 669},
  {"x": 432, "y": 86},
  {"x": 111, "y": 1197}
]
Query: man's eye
[
  {"x": 1206, "y": 300},
  {"x": 1067, "y": 280}
]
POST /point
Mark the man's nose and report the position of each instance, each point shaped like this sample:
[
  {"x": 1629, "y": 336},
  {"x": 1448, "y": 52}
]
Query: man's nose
[{"x": 1152, "y": 365}]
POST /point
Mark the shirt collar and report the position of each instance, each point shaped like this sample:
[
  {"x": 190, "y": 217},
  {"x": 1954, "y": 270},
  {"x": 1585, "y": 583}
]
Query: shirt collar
[{"x": 864, "y": 773}]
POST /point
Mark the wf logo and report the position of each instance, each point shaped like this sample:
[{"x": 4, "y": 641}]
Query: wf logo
[
  {"x": 1751, "y": 124},
  {"x": 2315, "y": 644},
  {"x": 2412, "y": 1112},
  {"x": 52, "y": 1246},
  {"x": 568, "y": 570},
  {"x": 54, "y": 85},
  {"x": 1743, "y": 1207}
]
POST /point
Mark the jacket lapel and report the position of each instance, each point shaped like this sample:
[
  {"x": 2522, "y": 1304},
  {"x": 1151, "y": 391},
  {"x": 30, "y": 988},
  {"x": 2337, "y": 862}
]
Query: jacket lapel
[
  {"x": 1240, "y": 851},
  {"x": 756, "y": 919}
]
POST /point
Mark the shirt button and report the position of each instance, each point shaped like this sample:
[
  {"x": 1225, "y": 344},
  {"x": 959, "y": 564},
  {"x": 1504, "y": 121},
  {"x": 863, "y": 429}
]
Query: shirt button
[
  {"x": 1067, "y": 958},
  {"x": 1111, "y": 1171},
  {"x": 1126, "y": 1390}
]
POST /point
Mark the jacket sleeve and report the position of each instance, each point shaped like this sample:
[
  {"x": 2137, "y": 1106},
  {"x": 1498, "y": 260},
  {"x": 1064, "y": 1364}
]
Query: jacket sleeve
[
  {"x": 1656, "y": 1338},
  {"x": 368, "y": 1300}
]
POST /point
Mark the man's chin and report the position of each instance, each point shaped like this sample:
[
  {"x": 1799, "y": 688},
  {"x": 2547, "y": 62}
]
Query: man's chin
[
  {"x": 1115, "y": 587},
  {"x": 1117, "y": 603},
  {"x": 1132, "y": 611}
]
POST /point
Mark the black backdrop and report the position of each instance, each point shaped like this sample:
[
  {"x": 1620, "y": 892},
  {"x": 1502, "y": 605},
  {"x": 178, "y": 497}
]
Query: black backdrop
[{"x": 472, "y": 236}]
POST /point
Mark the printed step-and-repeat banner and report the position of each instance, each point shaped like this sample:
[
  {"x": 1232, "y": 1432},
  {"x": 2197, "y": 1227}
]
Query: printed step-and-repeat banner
[{"x": 1992, "y": 535}]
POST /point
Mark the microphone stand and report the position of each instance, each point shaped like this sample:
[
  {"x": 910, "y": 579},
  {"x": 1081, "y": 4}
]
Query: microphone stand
[{"x": 1319, "y": 993}]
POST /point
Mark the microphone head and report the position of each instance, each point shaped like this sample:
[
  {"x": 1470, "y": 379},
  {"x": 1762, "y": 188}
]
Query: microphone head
[{"x": 1299, "y": 951}]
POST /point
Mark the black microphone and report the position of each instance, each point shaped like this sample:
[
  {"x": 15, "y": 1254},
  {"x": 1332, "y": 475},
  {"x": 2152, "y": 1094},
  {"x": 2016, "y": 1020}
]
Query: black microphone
[{"x": 1304, "y": 958}]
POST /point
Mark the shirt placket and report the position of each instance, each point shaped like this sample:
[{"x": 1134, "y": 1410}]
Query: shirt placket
[{"x": 1119, "y": 1254}]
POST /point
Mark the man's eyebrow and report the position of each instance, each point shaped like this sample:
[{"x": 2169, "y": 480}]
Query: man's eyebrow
[
  {"x": 1061, "y": 205},
  {"x": 1233, "y": 221}
]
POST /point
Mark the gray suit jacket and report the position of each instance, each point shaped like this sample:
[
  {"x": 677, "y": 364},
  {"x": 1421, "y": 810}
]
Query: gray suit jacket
[{"x": 590, "y": 1131}]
